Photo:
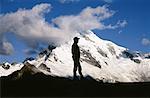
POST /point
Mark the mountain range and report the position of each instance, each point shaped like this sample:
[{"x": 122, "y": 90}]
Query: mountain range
[
  {"x": 101, "y": 59},
  {"x": 108, "y": 70}
]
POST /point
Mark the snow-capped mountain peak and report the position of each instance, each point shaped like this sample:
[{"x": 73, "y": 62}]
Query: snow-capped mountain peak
[{"x": 100, "y": 59}]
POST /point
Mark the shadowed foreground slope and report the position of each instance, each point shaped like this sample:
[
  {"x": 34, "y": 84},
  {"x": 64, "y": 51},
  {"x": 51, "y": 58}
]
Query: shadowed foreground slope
[{"x": 44, "y": 86}]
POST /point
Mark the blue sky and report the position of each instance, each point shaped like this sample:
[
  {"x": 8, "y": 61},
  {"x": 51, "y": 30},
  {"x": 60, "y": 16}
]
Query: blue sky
[{"x": 135, "y": 35}]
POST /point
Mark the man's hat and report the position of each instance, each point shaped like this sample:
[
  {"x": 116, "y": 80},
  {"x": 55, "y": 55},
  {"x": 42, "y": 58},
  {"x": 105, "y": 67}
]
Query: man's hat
[{"x": 76, "y": 38}]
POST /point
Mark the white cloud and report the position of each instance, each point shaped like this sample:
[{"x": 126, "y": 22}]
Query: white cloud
[
  {"x": 119, "y": 24},
  {"x": 88, "y": 19},
  {"x": 30, "y": 24},
  {"x": 6, "y": 48},
  {"x": 146, "y": 41}
]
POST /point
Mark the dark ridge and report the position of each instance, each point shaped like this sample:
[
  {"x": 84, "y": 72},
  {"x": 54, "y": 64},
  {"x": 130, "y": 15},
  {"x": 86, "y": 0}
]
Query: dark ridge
[{"x": 41, "y": 85}]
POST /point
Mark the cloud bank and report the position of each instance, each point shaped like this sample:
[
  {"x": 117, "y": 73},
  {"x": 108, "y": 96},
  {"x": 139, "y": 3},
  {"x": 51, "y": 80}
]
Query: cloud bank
[{"x": 30, "y": 25}]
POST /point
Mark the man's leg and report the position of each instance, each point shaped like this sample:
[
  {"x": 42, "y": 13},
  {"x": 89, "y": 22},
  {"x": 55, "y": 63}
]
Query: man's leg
[
  {"x": 80, "y": 70},
  {"x": 74, "y": 70}
]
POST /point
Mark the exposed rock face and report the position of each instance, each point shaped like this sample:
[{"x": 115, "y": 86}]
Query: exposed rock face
[
  {"x": 44, "y": 67},
  {"x": 147, "y": 55},
  {"x": 132, "y": 55},
  {"x": 137, "y": 61},
  {"x": 101, "y": 52},
  {"x": 111, "y": 49},
  {"x": 28, "y": 59},
  {"x": 89, "y": 59},
  {"x": 127, "y": 54},
  {"x": 26, "y": 71},
  {"x": 14, "y": 63},
  {"x": 6, "y": 66},
  {"x": 47, "y": 51}
]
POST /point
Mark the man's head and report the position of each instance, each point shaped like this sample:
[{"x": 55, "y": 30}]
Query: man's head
[{"x": 76, "y": 39}]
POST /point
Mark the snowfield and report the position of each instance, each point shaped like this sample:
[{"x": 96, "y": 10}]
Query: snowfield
[
  {"x": 6, "y": 72},
  {"x": 100, "y": 59}
]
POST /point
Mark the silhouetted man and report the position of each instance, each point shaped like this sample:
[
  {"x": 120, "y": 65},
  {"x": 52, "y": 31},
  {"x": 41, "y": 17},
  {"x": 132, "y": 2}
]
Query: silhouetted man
[{"x": 76, "y": 57}]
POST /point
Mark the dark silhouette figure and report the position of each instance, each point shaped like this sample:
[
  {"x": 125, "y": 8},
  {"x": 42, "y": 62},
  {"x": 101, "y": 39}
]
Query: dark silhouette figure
[{"x": 76, "y": 57}]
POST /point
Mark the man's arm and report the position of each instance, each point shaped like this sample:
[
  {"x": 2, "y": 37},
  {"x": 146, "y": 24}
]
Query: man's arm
[
  {"x": 78, "y": 51},
  {"x": 72, "y": 50}
]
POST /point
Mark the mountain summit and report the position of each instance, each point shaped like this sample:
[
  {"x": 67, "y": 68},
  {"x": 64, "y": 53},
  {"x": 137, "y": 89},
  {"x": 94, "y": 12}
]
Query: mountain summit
[{"x": 100, "y": 59}]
